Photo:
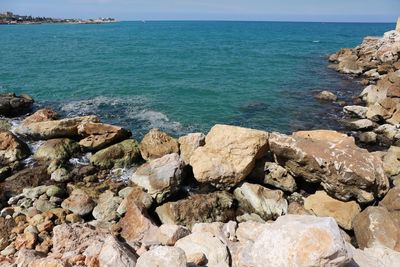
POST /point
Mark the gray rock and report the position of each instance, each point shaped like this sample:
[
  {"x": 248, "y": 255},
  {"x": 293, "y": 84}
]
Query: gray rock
[
  {"x": 12, "y": 105},
  {"x": 163, "y": 257},
  {"x": 107, "y": 205},
  {"x": 356, "y": 111}
]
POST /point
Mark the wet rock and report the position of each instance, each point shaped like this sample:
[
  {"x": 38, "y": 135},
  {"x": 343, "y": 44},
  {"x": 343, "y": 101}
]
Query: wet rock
[
  {"x": 79, "y": 202},
  {"x": 213, "y": 248},
  {"x": 160, "y": 177},
  {"x": 107, "y": 205},
  {"x": 119, "y": 155},
  {"x": 168, "y": 234},
  {"x": 99, "y": 135},
  {"x": 326, "y": 96},
  {"x": 41, "y": 115},
  {"x": 212, "y": 207},
  {"x": 12, "y": 148},
  {"x": 267, "y": 203},
  {"x": 57, "y": 149},
  {"x": 51, "y": 129},
  {"x": 323, "y": 205},
  {"x": 163, "y": 257},
  {"x": 298, "y": 240},
  {"x": 12, "y": 105},
  {"x": 333, "y": 160},
  {"x": 189, "y": 143},
  {"x": 229, "y": 155},
  {"x": 156, "y": 144},
  {"x": 375, "y": 226},
  {"x": 271, "y": 173},
  {"x": 114, "y": 253}
]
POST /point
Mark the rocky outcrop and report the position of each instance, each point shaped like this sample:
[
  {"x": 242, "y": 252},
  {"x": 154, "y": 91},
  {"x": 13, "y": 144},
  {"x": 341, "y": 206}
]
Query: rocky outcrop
[
  {"x": 333, "y": 160},
  {"x": 12, "y": 105},
  {"x": 156, "y": 144},
  {"x": 11, "y": 148},
  {"x": 229, "y": 155}
]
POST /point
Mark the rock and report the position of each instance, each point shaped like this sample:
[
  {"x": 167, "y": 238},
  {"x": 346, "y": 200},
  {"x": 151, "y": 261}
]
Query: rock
[
  {"x": 43, "y": 205},
  {"x": 6, "y": 226},
  {"x": 375, "y": 226},
  {"x": 5, "y": 125},
  {"x": 356, "y": 111},
  {"x": 375, "y": 256},
  {"x": 41, "y": 115},
  {"x": 160, "y": 177},
  {"x": 99, "y": 135},
  {"x": 392, "y": 200},
  {"x": 76, "y": 238},
  {"x": 299, "y": 240},
  {"x": 361, "y": 125},
  {"x": 156, "y": 144},
  {"x": 229, "y": 155},
  {"x": 12, "y": 105},
  {"x": 163, "y": 257},
  {"x": 213, "y": 248},
  {"x": 26, "y": 256},
  {"x": 61, "y": 175},
  {"x": 79, "y": 203},
  {"x": 189, "y": 143},
  {"x": 271, "y": 173},
  {"x": 114, "y": 253},
  {"x": 119, "y": 155},
  {"x": 324, "y": 206},
  {"x": 326, "y": 96},
  {"x": 48, "y": 262},
  {"x": 51, "y": 129},
  {"x": 57, "y": 149},
  {"x": 377, "y": 113},
  {"x": 26, "y": 240},
  {"x": 212, "y": 207},
  {"x": 107, "y": 205},
  {"x": 367, "y": 137},
  {"x": 349, "y": 65},
  {"x": 391, "y": 163},
  {"x": 344, "y": 170},
  {"x": 267, "y": 203},
  {"x": 12, "y": 148},
  {"x": 168, "y": 234}
]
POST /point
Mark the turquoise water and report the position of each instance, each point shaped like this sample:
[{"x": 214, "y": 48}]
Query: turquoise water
[{"x": 183, "y": 76}]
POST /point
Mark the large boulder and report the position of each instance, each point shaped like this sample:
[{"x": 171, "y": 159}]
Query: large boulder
[
  {"x": 375, "y": 256},
  {"x": 107, "y": 206},
  {"x": 99, "y": 135},
  {"x": 57, "y": 149},
  {"x": 156, "y": 144},
  {"x": 267, "y": 203},
  {"x": 79, "y": 202},
  {"x": 392, "y": 200},
  {"x": 160, "y": 177},
  {"x": 113, "y": 253},
  {"x": 43, "y": 130},
  {"x": 325, "y": 206},
  {"x": 12, "y": 105},
  {"x": 212, "y": 207},
  {"x": 229, "y": 155},
  {"x": 332, "y": 159},
  {"x": 11, "y": 148},
  {"x": 119, "y": 155},
  {"x": 298, "y": 240},
  {"x": 162, "y": 257},
  {"x": 189, "y": 143}
]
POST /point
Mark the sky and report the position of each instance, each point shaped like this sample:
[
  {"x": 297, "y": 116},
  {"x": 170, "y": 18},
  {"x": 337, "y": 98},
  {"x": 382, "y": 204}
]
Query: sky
[{"x": 259, "y": 10}]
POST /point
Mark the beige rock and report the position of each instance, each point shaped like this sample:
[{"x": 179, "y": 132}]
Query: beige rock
[
  {"x": 229, "y": 155},
  {"x": 392, "y": 200},
  {"x": 11, "y": 148},
  {"x": 168, "y": 234},
  {"x": 163, "y": 257},
  {"x": 41, "y": 115},
  {"x": 357, "y": 111},
  {"x": 48, "y": 262},
  {"x": 107, "y": 205},
  {"x": 113, "y": 254},
  {"x": 189, "y": 143},
  {"x": 324, "y": 206},
  {"x": 156, "y": 144},
  {"x": 398, "y": 25},
  {"x": 79, "y": 202},
  {"x": 374, "y": 226},
  {"x": 26, "y": 256},
  {"x": 267, "y": 203},
  {"x": 326, "y": 96},
  {"x": 271, "y": 173},
  {"x": 332, "y": 159},
  {"x": 361, "y": 125},
  {"x": 375, "y": 256}
]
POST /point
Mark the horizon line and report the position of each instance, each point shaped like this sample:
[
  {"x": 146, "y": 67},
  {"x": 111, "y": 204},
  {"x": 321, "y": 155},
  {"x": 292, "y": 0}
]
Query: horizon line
[{"x": 239, "y": 20}]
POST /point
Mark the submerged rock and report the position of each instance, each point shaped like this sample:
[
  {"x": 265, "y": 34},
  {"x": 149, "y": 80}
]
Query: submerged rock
[
  {"x": 156, "y": 144},
  {"x": 12, "y": 148},
  {"x": 12, "y": 105},
  {"x": 326, "y": 96},
  {"x": 229, "y": 155}
]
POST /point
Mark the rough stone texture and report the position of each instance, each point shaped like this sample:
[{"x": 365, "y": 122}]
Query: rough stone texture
[
  {"x": 41, "y": 115},
  {"x": 298, "y": 240},
  {"x": 391, "y": 163},
  {"x": 99, "y": 135},
  {"x": 229, "y": 155},
  {"x": 326, "y": 96},
  {"x": 212, "y": 247},
  {"x": 11, "y": 148},
  {"x": 114, "y": 253},
  {"x": 189, "y": 143},
  {"x": 57, "y": 149},
  {"x": 79, "y": 202},
  {"x": 374, "y": 226},
  {"x": 107, "y": 205},
  {"x": 375, "y": 256},
  {"x": 156, "y": 144},
  {"x": 65, "y": 128},
  {"x": 333, "y": 160},
  {"x": 12, "y": 105},
  {"x": 168, "y": 234},
  {"x": 392, "y": 200},
  {"x": 271, "y": 173},
  {"x": 48, "y": 262},
  {"x": 217, "y": 206},
  {"x": 324, "y": 206},
  {"x": 356, "y": 111},
  {"x": 267, "y": 203},
  {"x": 119, "y": 155},
  {"x": 26, "y": 256},
  {"x": 361, "y": 125},
  {"x": 163, "y": 257},
  {"x": 160, "y": 177},
  {"x": 6, "y": 226}
]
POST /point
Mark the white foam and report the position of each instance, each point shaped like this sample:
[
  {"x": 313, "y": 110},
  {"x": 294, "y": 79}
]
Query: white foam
[{"x": 123, "y": 174}]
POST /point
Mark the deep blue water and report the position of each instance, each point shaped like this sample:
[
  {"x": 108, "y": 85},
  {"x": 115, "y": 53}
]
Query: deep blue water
[{"x": 183, "y": 76}]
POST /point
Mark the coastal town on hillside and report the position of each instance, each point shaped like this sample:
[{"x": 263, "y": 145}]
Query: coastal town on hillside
[{"x": 11, "y": 18}]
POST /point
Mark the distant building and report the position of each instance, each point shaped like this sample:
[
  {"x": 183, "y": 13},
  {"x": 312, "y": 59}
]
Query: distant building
[{"x": 398, "y": 25}]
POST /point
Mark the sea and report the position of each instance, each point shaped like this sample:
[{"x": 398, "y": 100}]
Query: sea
[{"x": 184, "y": 76}]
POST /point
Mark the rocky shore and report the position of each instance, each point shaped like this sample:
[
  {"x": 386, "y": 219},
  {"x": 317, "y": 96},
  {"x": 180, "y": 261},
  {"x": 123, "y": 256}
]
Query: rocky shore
[{"x": 78, "y": 192}]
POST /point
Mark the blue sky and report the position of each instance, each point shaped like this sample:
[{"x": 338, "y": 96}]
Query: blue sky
[{"x": 287, "y": 10}]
